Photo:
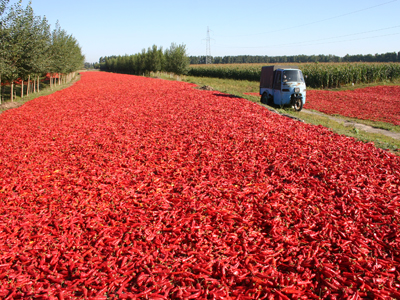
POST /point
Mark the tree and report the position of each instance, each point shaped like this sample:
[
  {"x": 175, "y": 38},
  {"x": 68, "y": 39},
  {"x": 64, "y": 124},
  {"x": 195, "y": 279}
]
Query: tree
[
  {"x": 42, "y": 38},
  {"x": 13, "y": 37},
  {"x": 65, "y": 55},
  {"x": 31, "y": 37},
  {"x": 176, "y": 60},
  {"x": 28, "y": 48},
  {"x": 3, "y": 64},
  {"x": 154, "y": 59},
  {"x": 3, "y": 7}
]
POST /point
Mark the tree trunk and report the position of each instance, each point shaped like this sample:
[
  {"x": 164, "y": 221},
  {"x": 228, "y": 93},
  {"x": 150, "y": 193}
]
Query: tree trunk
[
  {"x": 12, "y": 91},
  {"x": 34, "y": 84},
  {"x": 22, "y": 89},
  {"x": 1, "y": 91},
  {"x": 38, "y": 84},
  {"x": 29, "y": 86},
  {"x": 51, "y": 86}
]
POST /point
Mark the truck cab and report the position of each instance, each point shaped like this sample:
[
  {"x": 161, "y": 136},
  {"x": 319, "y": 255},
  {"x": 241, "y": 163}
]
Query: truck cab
[{"x": 283, "y": 86}]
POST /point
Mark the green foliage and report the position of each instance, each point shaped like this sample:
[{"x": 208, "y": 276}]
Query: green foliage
[
  {"x": 29, "y": 49},
  {"x": 24, "y": 42},
  {"x": 318, "y": 75},
  {"x": 3, "y": 6},
  {"x": 252, "y": 59},
  {"x": 154, "y": 59},
  {"x": 90, "y": 66},
  {"x": 328, "y": 76},
  {"x": 172, "y": 60},
  {"x": 65, "y": 53},
  {"x": 176, "y": 59}
]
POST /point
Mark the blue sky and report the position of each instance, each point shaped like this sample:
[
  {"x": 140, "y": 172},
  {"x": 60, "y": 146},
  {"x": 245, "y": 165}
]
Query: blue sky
[{"x": 250, "y": 27}]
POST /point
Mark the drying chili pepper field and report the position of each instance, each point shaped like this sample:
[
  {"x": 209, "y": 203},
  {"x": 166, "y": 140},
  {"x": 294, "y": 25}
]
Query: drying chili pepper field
[
  {"x": 379, "y": 103},
  {"x": 125, "y": 187}
]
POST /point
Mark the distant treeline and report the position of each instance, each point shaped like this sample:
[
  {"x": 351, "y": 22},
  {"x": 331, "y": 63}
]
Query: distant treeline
[
  {"x": 172, "y": 60},
  {"x": 318, "y": 75},
  {"x": 247, "y": 59}
]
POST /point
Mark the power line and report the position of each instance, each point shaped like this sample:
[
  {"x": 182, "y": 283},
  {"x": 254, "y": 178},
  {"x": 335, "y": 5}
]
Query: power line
[
  {"x": 366, "y": 38},
  {"x": 315, "y": 22},
  {"x": 300, "y": 43},
  {"x": 340, "y": 36}
]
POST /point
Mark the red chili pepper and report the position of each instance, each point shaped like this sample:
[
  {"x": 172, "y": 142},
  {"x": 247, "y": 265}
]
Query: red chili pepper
[
  {"x": 281, "y": 295},
  {"x": 106, "y": 190}
]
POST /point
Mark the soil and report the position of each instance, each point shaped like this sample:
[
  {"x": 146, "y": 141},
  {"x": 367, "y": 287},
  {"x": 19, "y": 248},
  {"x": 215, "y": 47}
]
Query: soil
[
  {"x": 366, "y": 128},
  {"x": 206, "y": 88},
  {"x": 9, "y": 105}
]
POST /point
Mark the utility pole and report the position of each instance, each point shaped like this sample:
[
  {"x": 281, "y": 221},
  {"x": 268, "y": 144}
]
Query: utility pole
[{"x": 208, "y": 48}]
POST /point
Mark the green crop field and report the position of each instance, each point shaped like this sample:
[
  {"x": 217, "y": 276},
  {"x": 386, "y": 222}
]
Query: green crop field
[{"x": 318, "y": 75}]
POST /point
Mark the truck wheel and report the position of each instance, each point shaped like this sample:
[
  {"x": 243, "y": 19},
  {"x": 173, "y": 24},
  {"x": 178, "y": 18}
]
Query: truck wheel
[
  {"x": 264, "y": 98},
  {"x": 298, "y": 104}
]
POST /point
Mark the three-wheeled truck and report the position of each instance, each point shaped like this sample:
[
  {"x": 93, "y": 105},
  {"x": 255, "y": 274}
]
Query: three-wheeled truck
[{"x": 280, "y": 85}]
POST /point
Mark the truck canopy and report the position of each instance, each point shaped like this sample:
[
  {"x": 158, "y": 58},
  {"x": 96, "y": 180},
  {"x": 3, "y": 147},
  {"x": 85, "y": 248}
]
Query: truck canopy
[{"x": 267, "y": 75}]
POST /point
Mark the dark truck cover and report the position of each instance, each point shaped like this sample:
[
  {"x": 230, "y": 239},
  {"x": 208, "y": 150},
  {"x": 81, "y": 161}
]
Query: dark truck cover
[{"x": 267, "y": 75}]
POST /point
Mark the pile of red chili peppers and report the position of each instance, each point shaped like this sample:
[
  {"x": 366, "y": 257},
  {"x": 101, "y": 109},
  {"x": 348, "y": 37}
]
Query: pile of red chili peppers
[
  {"x": 378, "y": 103},
  {"x": 124, "y": 187}
]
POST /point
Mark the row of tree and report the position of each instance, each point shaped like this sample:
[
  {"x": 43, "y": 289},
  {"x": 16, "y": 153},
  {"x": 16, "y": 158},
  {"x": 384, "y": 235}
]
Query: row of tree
[
  {"x": 239, "y": 59},
  {"x": 29, "y": 49},
  {"x": 174, "y": 60}
]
